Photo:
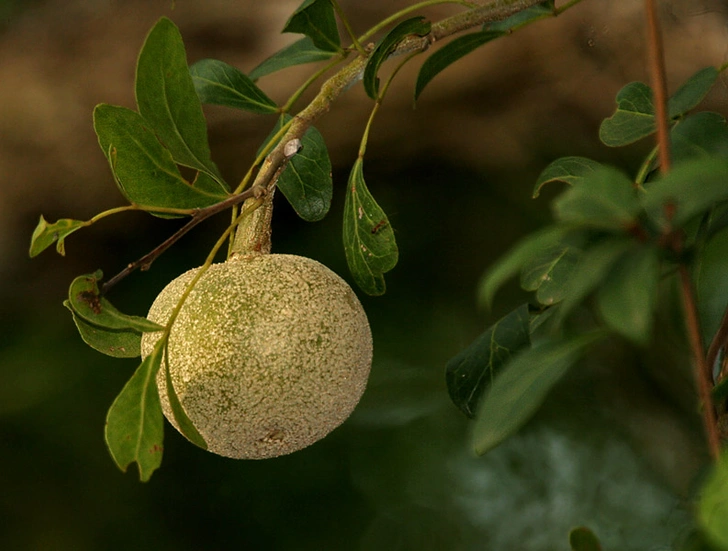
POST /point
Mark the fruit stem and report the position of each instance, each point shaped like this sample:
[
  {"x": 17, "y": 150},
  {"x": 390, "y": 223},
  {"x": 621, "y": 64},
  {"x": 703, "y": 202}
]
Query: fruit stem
[{"x": 253, "y": 234}]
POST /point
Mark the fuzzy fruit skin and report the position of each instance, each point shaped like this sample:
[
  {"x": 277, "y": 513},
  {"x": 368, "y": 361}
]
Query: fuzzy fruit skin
[{"x": 268, "y": 355}]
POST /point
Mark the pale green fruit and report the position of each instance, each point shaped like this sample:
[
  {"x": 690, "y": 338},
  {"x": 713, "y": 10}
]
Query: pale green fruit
[{"x": 268, "y": 355}]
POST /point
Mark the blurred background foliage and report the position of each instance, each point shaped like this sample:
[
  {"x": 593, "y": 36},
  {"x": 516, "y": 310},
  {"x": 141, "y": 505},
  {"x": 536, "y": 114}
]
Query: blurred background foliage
[{"x": 611, "y": 449}]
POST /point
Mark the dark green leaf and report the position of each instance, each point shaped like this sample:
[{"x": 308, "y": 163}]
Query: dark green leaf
[
  {"x": 115, "y": 343},
  {"x": 470, "y": 372},
  {"x": 702, "y": 135},
  {"x": 604, "y": 199},
  {"x": 512, "y": 263},
  {"x": 167, "y": 100},
  {"x": 369, "y": 242},
  {"x": 628, "y": 295},
  {"x": 688, "y": 190},
  {"x": 720, "y": 392},
  {"x": 566, "y": 169},
  {"x": 523, "y": 17},
  {"x": 449, "y": 54},
  {"x": 144, "y": 171},
  {"x": 185, "y": 424},
  {"x": 713, "y": 504},
  {"x": 135, "y": 423},
  {"x": 583, "y": 539},
  {"x": 521, "y": 387},
  {"x": 548, "y": 273},
  {"x": 417, "y": 25},
  {"x": 85, "y": 301},
  {"x": 218, "y": 83},
  {"x": 300, "y": 52},
  {"x": 317, "y": 20},
  {"x": 46, "y": 234},
  {"x": 710, "y": 282},
  {"x": 634, "y": 118},
  {"x": 692, "y": 92}
]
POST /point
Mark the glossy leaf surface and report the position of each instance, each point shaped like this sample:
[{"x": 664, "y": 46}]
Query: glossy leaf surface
[
  {"x": 46, "y": 234},
  {"x": 566, "y": 169},
  {"x": 300, "y": 52},
  {"x": 317, "y": 20},
  {"x": 218, "y": 83}
]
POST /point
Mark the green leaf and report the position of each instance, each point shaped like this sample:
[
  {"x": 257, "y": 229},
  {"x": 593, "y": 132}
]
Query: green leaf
[
  {"x": 719, "y": 393},
  {"x": 300, "y": 52},
  {"x": 566, "y": 169},
  {"x": 548, "y": 273},
  {"x": 692, "y": 92},
  {"x": 713, "y": 505},
  {"x": 167, "y": 100},
  {"x": 583, "y": 539},
  {"x": 317, "y": 20},
  {"x": 144, "y": 171},
  {"x": 115, "y": 343},
  {"x": 628, "y": 295},
  {"x": 369, "y": 242},
  {"x": 135, "y": 423},
  {"x": 513, "y": 261},
  {"x": 185, "y": 424},
  {"x": 417, "y": 25},
  {"x": 605, "y": 199},
  {"x": 699, "y": 136},
  {"x": 449, "y": 54},
  {"x": 634, "y": 118},
  {"x": 521, "y": 387},
  {"x": 85, "y": 301},
  {"x": 306, "y": 181},
  {"x": 470, "y": 372},
  {"x": 523, "y": 17},
  {"x": 46, "y": 234},
  {"x": 688, "y": 190},
  {"x": 218, "y": 83},
  {"x": 710, "y": 283}
]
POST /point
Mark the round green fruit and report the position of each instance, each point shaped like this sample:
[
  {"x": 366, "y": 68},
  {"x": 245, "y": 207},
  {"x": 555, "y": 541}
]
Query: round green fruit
[{"x": 268, "y": 354}]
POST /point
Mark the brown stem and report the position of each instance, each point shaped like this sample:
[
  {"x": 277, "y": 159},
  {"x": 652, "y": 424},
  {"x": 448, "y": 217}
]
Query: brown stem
[
  {"x": 659, "y": 84},
  {"x": 703, "y": 376}
]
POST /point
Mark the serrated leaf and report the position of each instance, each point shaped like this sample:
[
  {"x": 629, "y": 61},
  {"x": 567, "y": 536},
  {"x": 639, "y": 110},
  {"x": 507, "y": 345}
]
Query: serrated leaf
[
  {"x": 218, "y": 83},
  {"x": 300, "y": 52},
  {"x": 185, "y": 424},
  {"x": 449, "y": 54},
  {"x": 692, "y": 92},
  {"x": 317, "y": 20},
  {"x": 167, "y": 100},
  {"x": 369, "y": 243},
  {"x": 605, "y": 199},
  {"x": 523, "y": 17},
  {"x": 583, "y": 539},
  {"x": 306, "y": 181},
  {"x": 46, "y": 234},
  {"x": 713, "y": 504},
  {"x": 118, "y": 344},
  {"x": 628, "y": 295},
  {"x": 135, "y": 424},
  {"x": 634, "y": 118},
  {"x": 143, "y": 169},
  {"x": 566, "y": 169},
  {"x": 702, "y": 135},
  {"x": 689, "y": 190},
  {"x": 417, "y": 25},
  {"x": 521, "y": 387},
  {"x": 513, "y": 261},
  {"x": 548, "y": 273},
  {"x": 85, "y": 300},
  {"x": 470, "y": 372}
]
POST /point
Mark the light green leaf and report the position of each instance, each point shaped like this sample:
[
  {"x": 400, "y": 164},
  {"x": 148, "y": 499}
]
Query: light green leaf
[
  {"x": 713, "y": 505},
  {"x": 46, "y": 234},
  {"x": 583, "y": 539},
  {"x": 628, "y": 295},
  {"x": 417, "y": 25},
  {"x": 634, "y": 118},
  {"x": 218, "y": 83},
  {"x": 144, "y": 171},
  {"x": 702, "y": 135},
  {"x": 523, "y": 17},
  {"x": 300, "y": 52},
  {"x": 692, "y": 92},
  {"x": 135, "y": 424},
  {"x": 317, "y": 20},
  {"x": 115, "y": 343},
  {"x": 605, "y": 199},
  {"x": 449, "y": 54},
  {"x": 167, "y": 100},
  {"x": 470, "y": 372},
  {"x": 566, "y": 169},
  {"x": 185, "y": 424},
  {"x": 548, "y": 273},
  {"x": 369, "y": 243},
  {"x": 521, "y": 387}
]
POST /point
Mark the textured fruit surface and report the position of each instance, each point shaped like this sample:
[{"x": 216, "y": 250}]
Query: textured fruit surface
[{"x": 268, "y": 355}]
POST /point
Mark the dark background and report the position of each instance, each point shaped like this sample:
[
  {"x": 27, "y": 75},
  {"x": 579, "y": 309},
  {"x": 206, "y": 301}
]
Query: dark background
[{"x": 608, "y": 449}]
